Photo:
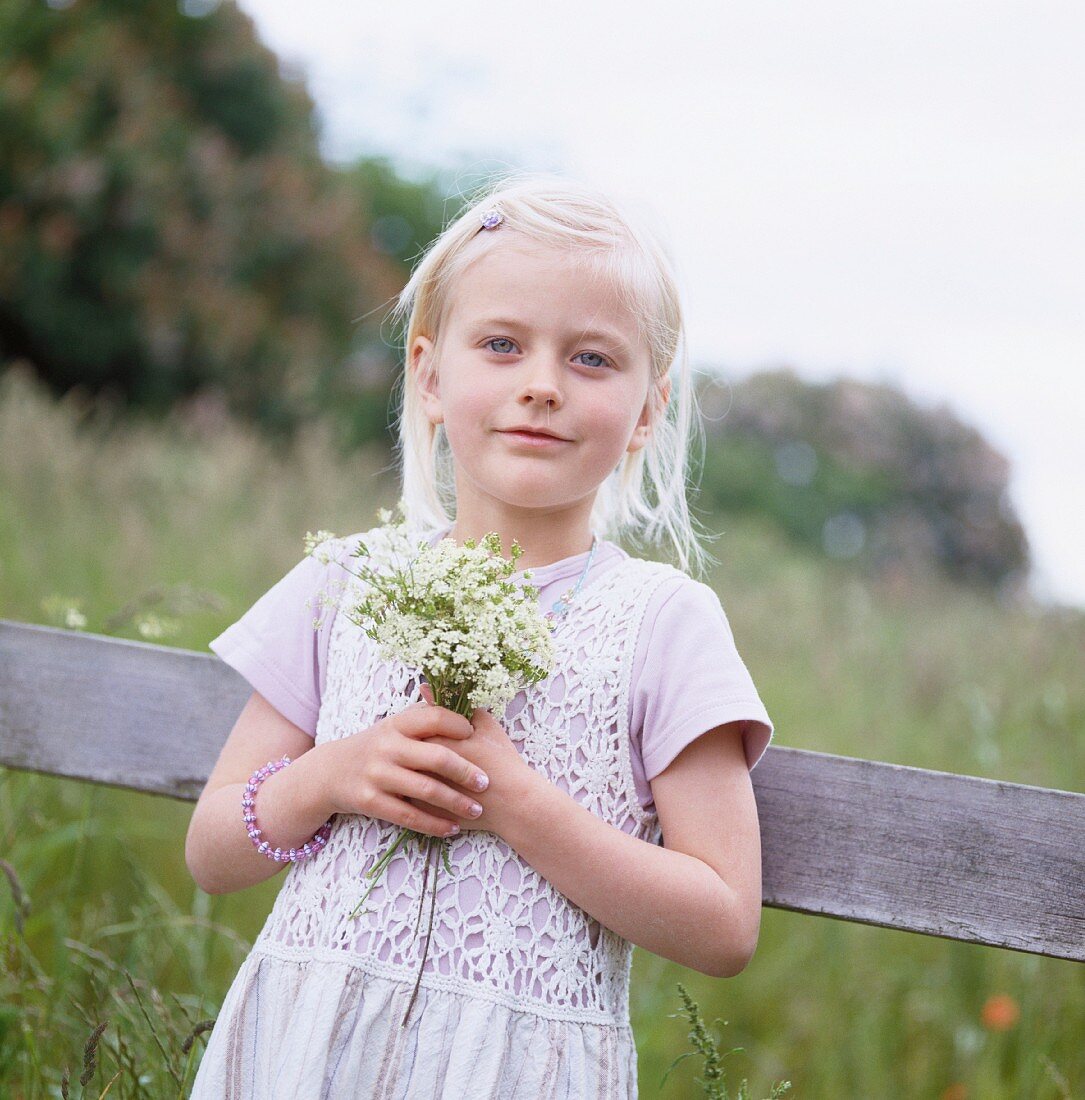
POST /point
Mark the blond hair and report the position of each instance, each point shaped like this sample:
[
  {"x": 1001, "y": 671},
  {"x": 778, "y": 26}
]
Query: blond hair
[{"x": 557, "y": 211}]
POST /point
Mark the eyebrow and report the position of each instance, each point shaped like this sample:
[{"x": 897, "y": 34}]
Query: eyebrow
[{"x": 609, "y": 339}]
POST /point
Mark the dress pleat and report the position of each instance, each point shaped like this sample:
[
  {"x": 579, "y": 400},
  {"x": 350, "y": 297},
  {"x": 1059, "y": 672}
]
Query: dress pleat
[{"x": 291, "y": 1030}]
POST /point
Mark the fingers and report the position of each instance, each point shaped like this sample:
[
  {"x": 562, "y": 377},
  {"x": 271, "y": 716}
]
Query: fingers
[
  {"x": 425, "y": 720},
  {"x": 401, "y": 765},
  {"x": 480, "y": 716},
  {"x": 399, "y": 812},
  {"x": 431, "y": 789},
  {"x": 422, "y": 756}
]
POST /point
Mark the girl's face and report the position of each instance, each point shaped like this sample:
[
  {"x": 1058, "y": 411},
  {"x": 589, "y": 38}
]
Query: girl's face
[{"x": 529, "y": 339}]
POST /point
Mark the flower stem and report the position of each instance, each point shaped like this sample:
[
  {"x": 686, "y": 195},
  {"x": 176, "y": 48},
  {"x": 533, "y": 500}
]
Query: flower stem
[
  {"x": 375, "y": 871},
  {"x": 422, "y": 892},
  {"x": 429, "y": 929}
]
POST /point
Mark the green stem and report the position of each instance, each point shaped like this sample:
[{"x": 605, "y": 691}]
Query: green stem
[
  {"x": 429, "y": 930},
  {"x": 375, "y": 871},
  {"x": 422, "y": 892}
]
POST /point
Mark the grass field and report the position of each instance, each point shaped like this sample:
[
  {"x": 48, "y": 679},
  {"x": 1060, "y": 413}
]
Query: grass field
[{"x": 186, "y": 528}]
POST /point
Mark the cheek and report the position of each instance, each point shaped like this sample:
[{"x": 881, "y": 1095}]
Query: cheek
[
  {"x": 613, "y": 420},
  {"x": 468, "y": 415},
  {"x": 467, "y": 404}
]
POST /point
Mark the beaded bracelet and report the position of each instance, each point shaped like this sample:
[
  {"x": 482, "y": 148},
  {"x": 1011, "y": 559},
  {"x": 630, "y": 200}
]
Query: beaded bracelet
[{"x": 248, "y": 810}]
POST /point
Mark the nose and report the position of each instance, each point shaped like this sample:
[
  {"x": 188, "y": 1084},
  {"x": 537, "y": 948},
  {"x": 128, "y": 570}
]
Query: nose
[{"x": 541, "y": 386}]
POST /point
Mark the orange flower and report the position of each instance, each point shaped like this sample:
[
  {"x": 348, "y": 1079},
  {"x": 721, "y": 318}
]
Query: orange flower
[
  {"x": 957, "y": 1091},
  {"x": 1000, "y": 1012}
]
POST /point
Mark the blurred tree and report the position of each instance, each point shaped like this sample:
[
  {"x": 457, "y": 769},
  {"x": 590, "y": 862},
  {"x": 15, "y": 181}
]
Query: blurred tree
[
  {"x": 405, "y": 215},
  {"x": 167, "y": 224},
  {"x": 861, "y": 472}
]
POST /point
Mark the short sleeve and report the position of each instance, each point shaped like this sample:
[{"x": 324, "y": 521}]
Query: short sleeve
[
  {"x": 280, "y": 645},
  {"x": 692, "y": 679}
]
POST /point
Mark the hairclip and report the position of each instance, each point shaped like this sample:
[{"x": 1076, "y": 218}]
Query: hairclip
[{"x": 491, "y": 218}]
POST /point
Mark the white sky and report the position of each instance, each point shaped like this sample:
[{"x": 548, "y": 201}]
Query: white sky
[{"x": 891, "y": 192}]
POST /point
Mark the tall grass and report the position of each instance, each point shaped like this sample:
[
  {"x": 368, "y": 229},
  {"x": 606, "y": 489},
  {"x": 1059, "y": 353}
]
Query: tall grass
[{"x": 102, "y": 924}]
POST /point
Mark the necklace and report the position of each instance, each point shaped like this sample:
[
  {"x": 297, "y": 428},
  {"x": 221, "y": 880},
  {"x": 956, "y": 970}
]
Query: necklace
[{"x": 563, "y": 604}]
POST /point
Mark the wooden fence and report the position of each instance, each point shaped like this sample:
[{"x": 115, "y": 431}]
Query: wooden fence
[{"x": 947, "y": 855}]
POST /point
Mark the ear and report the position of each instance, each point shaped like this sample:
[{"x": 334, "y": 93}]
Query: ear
[
  {"x": 643, "y": 430},
  {"x": 421, "y": 365}
]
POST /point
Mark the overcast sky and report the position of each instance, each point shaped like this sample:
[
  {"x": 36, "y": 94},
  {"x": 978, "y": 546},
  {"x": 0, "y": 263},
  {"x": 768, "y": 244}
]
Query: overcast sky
[{"x": 890, "y": 192}]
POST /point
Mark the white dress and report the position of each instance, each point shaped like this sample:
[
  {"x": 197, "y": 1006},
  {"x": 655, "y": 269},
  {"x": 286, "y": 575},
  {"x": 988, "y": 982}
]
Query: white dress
[{"x": 523, "y": 995}]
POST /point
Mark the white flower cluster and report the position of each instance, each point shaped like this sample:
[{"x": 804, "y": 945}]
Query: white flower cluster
[
  {"x": 315, "y": 545},
  {"x": 452, "y": 612}
]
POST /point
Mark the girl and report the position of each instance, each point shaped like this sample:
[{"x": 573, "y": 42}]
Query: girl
[{"x": 610, "y": 805}]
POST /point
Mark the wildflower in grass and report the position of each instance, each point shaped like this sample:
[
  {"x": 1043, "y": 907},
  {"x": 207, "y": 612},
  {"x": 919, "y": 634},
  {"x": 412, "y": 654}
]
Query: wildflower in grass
[
  {"x": 713, "y": 1081},
  {"x": 451, "y": 612},
  {"x": 151, "y": 625},
  {"x": 1000, "y": 1012},
  {"x": 957, "y": 1091},
  {"x": 967, "y": 1039},
  {"x": 64, "y": 611}
]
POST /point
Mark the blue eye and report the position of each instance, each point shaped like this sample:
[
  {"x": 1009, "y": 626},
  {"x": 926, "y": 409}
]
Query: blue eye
[{"x": 603, "y": 361}]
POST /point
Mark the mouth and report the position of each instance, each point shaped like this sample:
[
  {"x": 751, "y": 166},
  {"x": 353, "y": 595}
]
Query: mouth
[{"x": 535, "y": 439}]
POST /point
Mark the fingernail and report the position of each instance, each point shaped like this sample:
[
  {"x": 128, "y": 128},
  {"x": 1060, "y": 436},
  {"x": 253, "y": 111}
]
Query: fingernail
[
  {"x": 474, "y": 809},
  {"x": 453, "y": 831},
  {"x": 481, "y": 782}
]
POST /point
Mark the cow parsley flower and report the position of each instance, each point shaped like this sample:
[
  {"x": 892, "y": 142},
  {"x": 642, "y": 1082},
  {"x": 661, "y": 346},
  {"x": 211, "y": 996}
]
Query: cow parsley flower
[{"x": 452, "y": 612}]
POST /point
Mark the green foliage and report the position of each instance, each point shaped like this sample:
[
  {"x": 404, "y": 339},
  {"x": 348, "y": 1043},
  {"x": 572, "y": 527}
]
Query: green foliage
[
  {"x": 167, "y": 224},
  {"x": 404, "y": 216},
  {"x": 741, "y": 475},
  {"x": 860, "y": 472},
  {"x": 81, "y": 1014}
]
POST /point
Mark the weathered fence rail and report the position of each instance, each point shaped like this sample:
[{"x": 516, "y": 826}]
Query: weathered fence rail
[{"x": 931, "y": 852}]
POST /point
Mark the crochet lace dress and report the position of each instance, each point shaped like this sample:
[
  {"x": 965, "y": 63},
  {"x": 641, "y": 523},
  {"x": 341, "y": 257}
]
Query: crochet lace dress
[{"x": 523, "y": 995}]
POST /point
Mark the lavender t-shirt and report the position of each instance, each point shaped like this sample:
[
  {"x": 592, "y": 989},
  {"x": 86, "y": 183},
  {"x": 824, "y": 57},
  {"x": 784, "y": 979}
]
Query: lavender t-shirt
[{"x": 688, "y": 677}]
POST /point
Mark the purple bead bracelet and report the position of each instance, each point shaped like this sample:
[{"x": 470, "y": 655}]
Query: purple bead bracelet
[{"x": 248, "y": 810}]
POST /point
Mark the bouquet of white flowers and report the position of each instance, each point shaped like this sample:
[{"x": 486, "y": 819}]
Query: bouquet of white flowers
[{"x": 451, "y": 612}]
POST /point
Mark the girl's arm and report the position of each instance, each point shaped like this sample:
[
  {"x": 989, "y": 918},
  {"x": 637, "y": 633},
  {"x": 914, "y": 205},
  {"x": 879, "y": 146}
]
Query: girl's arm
[
  {"x": 292, "y": 803},
  {"x": 696, "y": 901},
  {"x": 374, "y": 771}
]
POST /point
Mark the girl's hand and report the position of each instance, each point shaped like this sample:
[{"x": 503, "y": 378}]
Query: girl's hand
[
  {"x": 414, "y": 754},
  {"x": 491, "y": 751}
]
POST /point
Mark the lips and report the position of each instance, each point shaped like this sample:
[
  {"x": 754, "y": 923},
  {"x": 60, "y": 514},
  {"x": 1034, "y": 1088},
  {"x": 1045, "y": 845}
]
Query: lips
[{"x": 536, "y": 439}]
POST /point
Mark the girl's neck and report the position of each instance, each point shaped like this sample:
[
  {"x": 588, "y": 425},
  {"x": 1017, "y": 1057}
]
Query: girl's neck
[{"x": 540, "y": 549}]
